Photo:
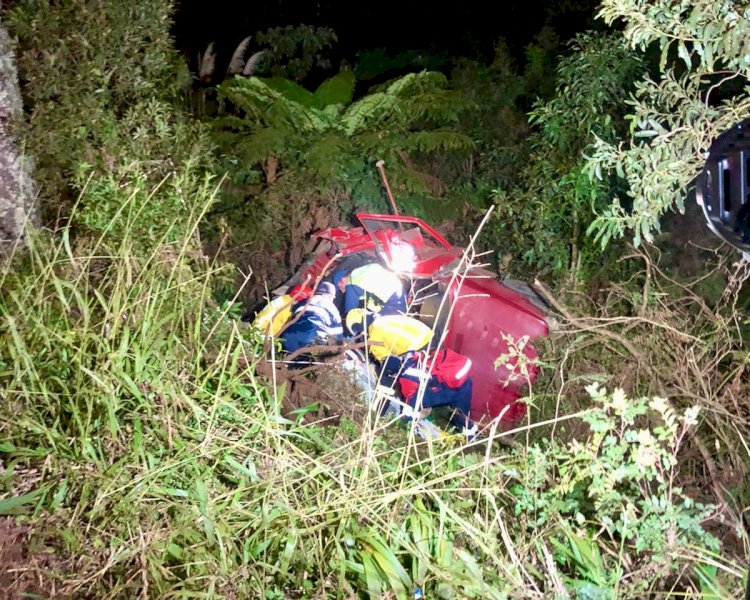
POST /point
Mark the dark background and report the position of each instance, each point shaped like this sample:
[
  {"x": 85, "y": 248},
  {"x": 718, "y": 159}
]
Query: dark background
[{"x": 464, "y": 28}]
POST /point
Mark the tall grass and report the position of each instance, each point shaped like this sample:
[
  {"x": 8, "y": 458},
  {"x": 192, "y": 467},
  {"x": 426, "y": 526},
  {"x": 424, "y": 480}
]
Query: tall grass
[
  {"x": 151, "y": 461},
  {"x": 161, "y": 465}
]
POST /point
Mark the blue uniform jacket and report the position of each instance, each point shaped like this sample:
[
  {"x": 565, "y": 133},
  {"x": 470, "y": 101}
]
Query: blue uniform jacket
[
  {"x": 320, "y": 320},
  {"x": 376, "y": 289},
  {"x": 356, "y": 297}
]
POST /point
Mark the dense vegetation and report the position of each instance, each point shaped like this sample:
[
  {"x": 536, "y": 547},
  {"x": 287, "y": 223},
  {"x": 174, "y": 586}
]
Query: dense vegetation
[{"x": 143, "y": 452}]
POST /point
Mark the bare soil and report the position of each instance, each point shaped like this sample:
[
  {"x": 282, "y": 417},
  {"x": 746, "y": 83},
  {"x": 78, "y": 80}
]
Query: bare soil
[
  {"x": 21, "y": 570},
  {"x": 325, "y": 385}
]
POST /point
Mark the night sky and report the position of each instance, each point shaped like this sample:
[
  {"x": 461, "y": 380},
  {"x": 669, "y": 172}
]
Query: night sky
[{"x": 467, "y": 28}]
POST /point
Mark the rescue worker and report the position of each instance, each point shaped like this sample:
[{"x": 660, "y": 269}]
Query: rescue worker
[
  {"x": 271, "y": 320},
  {"x": 372, "y": 287},
  {"x": 316, "y": 322},
  {"x": 390, "y": 335},
  {"x": 427, "y": 381}
]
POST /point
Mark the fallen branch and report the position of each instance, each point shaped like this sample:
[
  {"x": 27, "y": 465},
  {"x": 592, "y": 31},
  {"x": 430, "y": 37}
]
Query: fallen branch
[
  {"x": 582, "y": 324},
  {"x": 330, "y": 348}
]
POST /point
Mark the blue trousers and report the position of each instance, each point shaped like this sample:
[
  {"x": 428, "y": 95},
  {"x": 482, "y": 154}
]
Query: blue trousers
[{"x": 458, "y": 399}]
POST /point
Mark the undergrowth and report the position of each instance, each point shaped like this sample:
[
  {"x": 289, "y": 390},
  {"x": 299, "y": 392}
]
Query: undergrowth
[
  {"x": 148, "y": 458},
  {"x": 141, "y": 453}
]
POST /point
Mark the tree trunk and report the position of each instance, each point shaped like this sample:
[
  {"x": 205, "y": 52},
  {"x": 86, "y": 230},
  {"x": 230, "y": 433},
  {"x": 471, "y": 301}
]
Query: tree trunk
[
  {"x": 272, "y": 164},
  {"x": 17, "y": 188}
]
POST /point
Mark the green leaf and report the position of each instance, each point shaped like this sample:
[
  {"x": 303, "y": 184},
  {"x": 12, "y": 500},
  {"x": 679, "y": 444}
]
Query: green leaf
[
  {"x": 711, "y": 588},
  {"x": 249, "y": 470},
  {"x": 59, "y": 496},
  {"x": 683, "y": 53},
  {"x": 10, "y": 506},
  {"x": 371, "y": 575},
  {"x": 664, "y": 55},
  {"x": 293, "y": 91},
  {"x": 339, "y": 89},
  {"x": 388, "y": 563}
]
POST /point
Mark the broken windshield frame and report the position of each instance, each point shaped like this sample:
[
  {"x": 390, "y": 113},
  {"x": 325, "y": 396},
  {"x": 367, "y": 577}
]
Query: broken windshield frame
[{"x": 429, "y": 249}]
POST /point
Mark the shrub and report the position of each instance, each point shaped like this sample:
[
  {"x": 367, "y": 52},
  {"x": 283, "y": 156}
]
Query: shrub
[
  {"x": 542, "y": 217},
  {"x": 102, "y": 89},
  {"x": 617, "y": 487},
  {"x": 676, "y": 114}
]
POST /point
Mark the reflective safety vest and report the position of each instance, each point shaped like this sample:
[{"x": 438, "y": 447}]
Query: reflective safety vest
[
  {"x": 322, "y": 312},
  {"x": 377, "y": 281},
  {"x": 397, "y": 334},
  {"x": 316, "y": 322},
  {"x": 274, "y": 315}
]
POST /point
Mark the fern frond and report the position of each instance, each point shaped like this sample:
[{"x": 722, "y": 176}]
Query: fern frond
[
  {"x": 238, "y": 58},
  {"x": 416, "y": 99},
  {"x": 414, "y": 181},
  {"x": 433, "y": 183},
  {"x": 329, "y": 157},
  {"x": 417, "y": 83},
  {"x": 252, "y": 149},
  {"x": 231, "y": 123},
  {"x": 379, "y": 142},
  {"x": 367, "y": 112},
  {"x": 292, "y": 91},
  {"x": 375, "y": 143},
  {"x": 440, "y": 107},
  {"x": 251, "y": 95},
  {"x": 333, "y": 112},
  {"x": 435, "y": 141},
  {"x": 338, "y": 89},
  {"x": 271, "y": 108},
  {"x": 400, "y": 84},
  {"x": 264, "y": 142}
]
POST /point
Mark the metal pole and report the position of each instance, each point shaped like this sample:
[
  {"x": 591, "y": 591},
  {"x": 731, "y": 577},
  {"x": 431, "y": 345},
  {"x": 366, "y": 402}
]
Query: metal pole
[{"x": 379, "y": 165}]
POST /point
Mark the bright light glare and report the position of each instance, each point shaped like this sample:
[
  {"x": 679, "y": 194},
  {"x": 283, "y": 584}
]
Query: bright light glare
[{"x": 403, "y": 258}]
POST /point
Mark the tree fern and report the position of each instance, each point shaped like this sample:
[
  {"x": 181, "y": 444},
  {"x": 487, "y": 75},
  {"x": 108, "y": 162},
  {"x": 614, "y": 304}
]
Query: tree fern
[
  {"x": 263, "y": 142},
  {"x": 368, "y": 112},
  {"x": 416, "y": 83},
  {"x": 434, "y": 141},
  {"x": 426, "y": 96},
  {"x": 440, "y": 106},
  {"x": 265, "y": 105},
  {"x": 326, "y": 134},
  {"x": 330, "y": 156}
]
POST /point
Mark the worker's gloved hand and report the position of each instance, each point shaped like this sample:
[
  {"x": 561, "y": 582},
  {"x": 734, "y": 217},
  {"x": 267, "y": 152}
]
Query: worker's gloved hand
[
  {"x": 410, "y": 414},
  {"x": 382, "y": 399},
  {"x": 470, "y": 433},
  {"x": 383, "y": 391}
]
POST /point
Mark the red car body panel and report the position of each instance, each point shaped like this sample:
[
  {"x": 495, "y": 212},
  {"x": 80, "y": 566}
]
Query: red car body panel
[
  {"x": 489, "y": 323},
  {"x": 494, "y": 326}
]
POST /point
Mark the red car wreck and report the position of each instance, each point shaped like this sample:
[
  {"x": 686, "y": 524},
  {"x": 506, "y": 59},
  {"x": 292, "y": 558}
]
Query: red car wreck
[{"x": 492, "y": 323}]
